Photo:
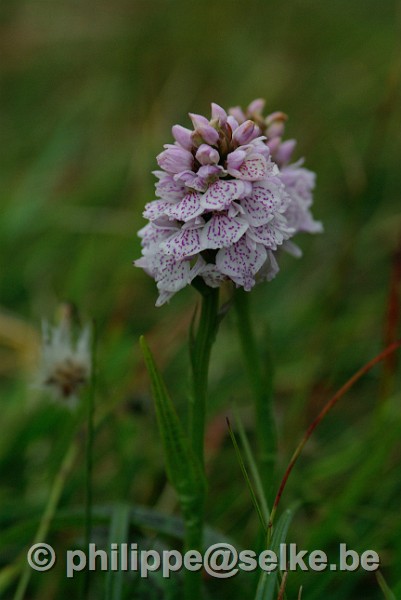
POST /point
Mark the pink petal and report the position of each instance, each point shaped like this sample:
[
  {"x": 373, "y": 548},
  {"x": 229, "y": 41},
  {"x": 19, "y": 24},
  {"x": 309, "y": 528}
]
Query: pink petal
[
  {"x": 269, "y": 235},
  {"x": 182, "y": 245},
  {"x": 168, "y": 188},
  {"x": 152, "y": 236},
  {"x": 253, "y": 168},
  {"x": 171, "y": 275},
  {"x": 267, "y": 198},
  {"x": 188, "y": 208},
  {"x": 222, "y": 231},
  {"x": 241, "y": 263},
  {"x": 156, "y": 209},
  {"x": 221, "y": 193}
]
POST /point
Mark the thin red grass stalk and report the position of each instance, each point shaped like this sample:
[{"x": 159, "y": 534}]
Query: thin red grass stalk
[
  {"x": 392, "y": 323},
  {"x": 337, "y": 396},
  {"x": 282, "y": 586}
]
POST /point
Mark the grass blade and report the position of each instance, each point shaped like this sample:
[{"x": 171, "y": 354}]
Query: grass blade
[
  {"x": 387, "y": 593},
  {"x": 119, "y": 528},
  {"x": 246, "y": 477},
  {"x": 266, "y": 589}
]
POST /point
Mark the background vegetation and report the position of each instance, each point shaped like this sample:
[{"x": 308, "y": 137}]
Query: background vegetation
[{"x": 89, "y": 93}]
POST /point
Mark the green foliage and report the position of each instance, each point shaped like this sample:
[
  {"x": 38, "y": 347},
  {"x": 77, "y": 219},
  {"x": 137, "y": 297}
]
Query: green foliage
[
  {"x": 183, "y": 467},
  {"x": 89, "y": 94}
]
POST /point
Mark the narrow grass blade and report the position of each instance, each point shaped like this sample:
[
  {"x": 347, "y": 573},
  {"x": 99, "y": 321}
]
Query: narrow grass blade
[
  {"x": 119, "y": 528},
  {"x": 267, "y": 585},
  {"x": 387, "y": 593},
  {"x": 253, "y": 468},
  {"x": 246, "y": 477}
]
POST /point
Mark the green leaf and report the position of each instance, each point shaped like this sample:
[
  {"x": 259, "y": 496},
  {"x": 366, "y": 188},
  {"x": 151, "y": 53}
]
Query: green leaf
[
  {"x": 119, "y": 528},
  {"x": 183, "y": 468},
  {"x": 266, "y": 589}
]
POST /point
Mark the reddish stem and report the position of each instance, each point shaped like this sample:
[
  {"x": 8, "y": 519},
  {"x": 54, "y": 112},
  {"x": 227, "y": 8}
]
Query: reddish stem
[
  {"x": 362, "y": 371},
  {"x": 392, "y": 323}
]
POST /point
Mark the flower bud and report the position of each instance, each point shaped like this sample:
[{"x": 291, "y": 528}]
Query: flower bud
[
  {"x": 218, "y": 113},
  {"x": 237, "y": 113},
  {"x": 183, "y": 136},
  {"x": 235, "y": 160},
  {"x": 207, "y": 155},
  {"x": 273, "y": 145},
  {"x": 175, "y": 159},
  {"x": 204, "y": 129},
  {"x": 245, "y": 133},
  {"x": 256, "y": 107},
  {"x": 275, "y": 124},
  {"x": 284, "y": 152}
]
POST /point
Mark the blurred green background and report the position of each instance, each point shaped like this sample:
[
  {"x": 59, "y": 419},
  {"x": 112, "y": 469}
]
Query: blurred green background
[{"x": 89, "y": 94}]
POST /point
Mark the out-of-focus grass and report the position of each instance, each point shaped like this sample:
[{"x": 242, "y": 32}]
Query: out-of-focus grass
[{"x": 89, "y": 93}]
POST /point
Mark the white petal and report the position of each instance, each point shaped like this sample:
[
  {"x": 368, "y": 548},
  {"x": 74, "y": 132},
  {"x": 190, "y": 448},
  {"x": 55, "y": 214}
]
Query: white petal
[
  {"x": 241, "y": 263},
  {"x": 271, "y": 234},
  {"x": 292, "y": 249},
  {"x": 221, "y": 193},
  {"x": 267, "y": 198},
  {"x": 163, "y": 297},
  {"x": 269, "y": 269},
  {"x": 172, "y": 275},
  {"x": 182, "y": 245},
  {"x": 154, "y": 210},
  {"x": 222, "y": 231},
  {"x": 187, "y": 209},
  {"x": 253, "y": 168},
  {"x": 168, "y": 188}
]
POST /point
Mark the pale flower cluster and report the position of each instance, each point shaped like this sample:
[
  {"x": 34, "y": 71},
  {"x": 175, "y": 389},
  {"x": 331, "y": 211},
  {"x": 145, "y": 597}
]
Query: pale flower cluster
[{"x": 228, "y": 198}]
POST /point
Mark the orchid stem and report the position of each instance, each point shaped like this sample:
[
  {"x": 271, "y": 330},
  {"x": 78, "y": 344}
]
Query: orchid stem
[
  {"x": 201, "y": 346},
  {"x": 201, "y": 343}
]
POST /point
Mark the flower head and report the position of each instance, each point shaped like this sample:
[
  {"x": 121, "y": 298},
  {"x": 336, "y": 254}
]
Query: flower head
[
  {"x": 227, "y": 200},
  {"x": 65, "y": 362}
]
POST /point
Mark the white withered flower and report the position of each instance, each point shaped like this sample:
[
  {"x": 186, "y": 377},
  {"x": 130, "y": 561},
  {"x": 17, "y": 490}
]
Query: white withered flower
[{"x": 65, "y": 362}]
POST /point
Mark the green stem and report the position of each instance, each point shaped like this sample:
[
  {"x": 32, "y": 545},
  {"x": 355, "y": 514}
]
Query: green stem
[
  {"x": 261, "y": 381},
  {"x": 201, "y": 344},
  {"x": 193, "y": 515},
  {"x": 201, "y": 347},
  {"x": 89, "y": 460}
]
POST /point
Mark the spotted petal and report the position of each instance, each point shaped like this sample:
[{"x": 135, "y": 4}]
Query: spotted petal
[
  {"x": 167, "y": 188},
  {"x": 221, "y": 193},
  {"x": 269, "y": 235},
  {"x": 152, "y": 236},
  {"x": 253, "y": 168},
  {"x": 172, "y": 275},
  {"x": 189, "y": 207},
  {"x": 241, "y": 263},
  {"x": 222, "y": 231},
  {"x": 156, "y": 209},
  {"x": 184, "y": 244},
  {"x": 267, "y": 199}
]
